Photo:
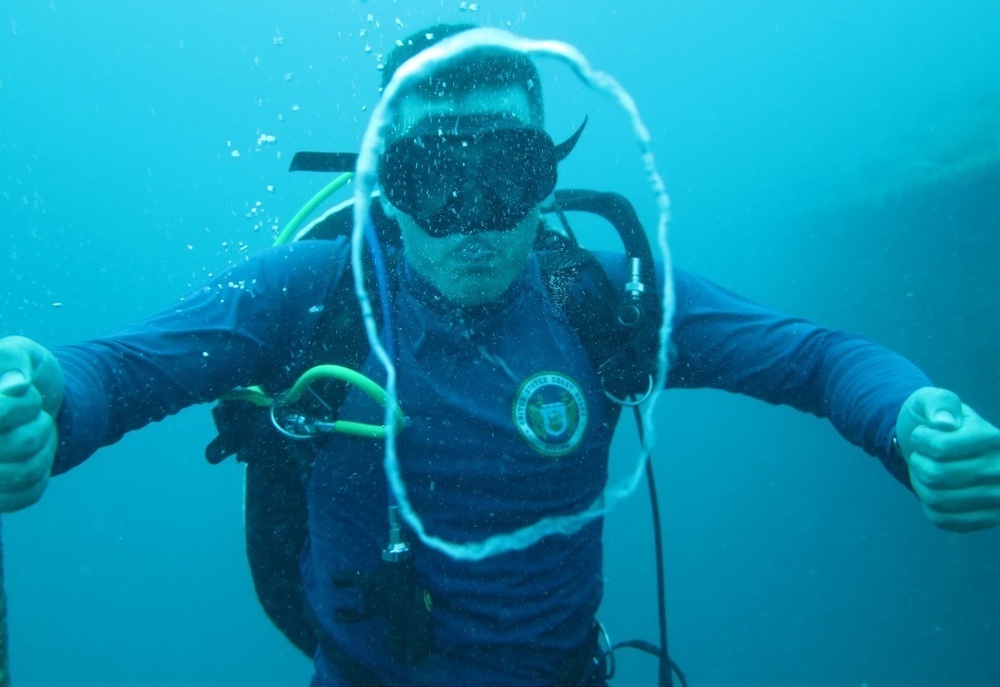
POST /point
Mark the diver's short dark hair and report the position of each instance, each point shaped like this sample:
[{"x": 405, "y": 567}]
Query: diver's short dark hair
[{"x": 487, "y": 67}]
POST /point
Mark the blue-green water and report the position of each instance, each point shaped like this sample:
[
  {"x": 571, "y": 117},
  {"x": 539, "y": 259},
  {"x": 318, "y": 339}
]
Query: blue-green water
[{"x": 789, "y": 133}]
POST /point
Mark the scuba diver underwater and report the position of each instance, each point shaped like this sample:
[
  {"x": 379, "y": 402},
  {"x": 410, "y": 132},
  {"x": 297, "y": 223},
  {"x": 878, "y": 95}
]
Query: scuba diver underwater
[{"x": 424, "y": 382}]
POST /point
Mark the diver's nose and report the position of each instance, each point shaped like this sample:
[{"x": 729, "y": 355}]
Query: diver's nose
[{"x": 474, "y": 200}]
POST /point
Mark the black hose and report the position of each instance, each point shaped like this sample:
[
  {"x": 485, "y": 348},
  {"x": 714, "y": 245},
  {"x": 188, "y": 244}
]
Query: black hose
[
  {"x": 667, "y": 667},
  {"x": 4, "y": 663}
]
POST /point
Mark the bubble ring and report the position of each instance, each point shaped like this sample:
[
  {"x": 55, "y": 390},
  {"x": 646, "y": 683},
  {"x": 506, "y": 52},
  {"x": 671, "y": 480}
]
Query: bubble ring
[{"x": 419, "y": 68}]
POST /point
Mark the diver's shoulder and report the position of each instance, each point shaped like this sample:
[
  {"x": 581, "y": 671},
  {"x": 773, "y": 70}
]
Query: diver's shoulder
[
  {"x": 297, "y": 258},
  {"x": 306, "y": 265},
  {"x": 302, "y": 252}
]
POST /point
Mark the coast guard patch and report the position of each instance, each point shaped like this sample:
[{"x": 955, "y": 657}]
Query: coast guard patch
[{"x": 551, "y": 413}]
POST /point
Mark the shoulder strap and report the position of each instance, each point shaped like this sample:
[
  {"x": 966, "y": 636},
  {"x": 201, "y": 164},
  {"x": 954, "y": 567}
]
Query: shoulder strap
[
  {"x": 340, "y": 336},
  {"x": 580, "y": 287},
  {"x": 622, "y": 354}
]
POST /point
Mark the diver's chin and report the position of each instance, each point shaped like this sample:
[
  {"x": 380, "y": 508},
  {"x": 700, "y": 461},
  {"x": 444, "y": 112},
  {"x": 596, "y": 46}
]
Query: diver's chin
[{"x": 473, "y": 289}]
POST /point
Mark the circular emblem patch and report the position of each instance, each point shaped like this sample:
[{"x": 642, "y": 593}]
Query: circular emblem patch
[{"x": 551, "y": 413}]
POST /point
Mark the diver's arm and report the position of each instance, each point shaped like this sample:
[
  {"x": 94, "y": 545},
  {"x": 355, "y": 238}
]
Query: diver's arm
[
  {"x": 247, "y": 326},
  {"x": 728, "y": 342},
  {"x": 945, "y": 452}
]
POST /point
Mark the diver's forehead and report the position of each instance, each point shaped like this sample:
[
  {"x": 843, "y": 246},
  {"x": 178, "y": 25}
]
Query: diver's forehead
[{"x": 509, "y": 101}]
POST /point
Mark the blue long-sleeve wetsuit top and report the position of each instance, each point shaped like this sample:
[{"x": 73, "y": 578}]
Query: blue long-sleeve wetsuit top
[{"x": 506, "y": 424}]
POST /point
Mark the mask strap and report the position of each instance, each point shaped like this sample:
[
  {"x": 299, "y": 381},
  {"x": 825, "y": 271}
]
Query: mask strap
[{"x": 566, "y": 147}]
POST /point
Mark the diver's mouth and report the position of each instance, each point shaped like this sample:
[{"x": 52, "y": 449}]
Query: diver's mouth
[{"x": 476, "y": 252}]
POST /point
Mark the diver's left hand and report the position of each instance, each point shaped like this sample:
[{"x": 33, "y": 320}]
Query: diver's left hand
[{"x": 954, "y": 459}]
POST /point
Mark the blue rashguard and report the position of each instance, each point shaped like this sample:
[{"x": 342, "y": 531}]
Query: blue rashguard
[{"x": 506, "y": 423}]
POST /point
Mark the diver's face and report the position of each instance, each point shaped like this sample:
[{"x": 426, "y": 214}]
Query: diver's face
[{"x": 468, "y": 268}]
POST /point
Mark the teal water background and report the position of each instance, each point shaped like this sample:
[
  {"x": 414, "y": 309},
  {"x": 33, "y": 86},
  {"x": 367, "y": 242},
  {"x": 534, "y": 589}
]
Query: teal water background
[{"x": 835, "y": 160}]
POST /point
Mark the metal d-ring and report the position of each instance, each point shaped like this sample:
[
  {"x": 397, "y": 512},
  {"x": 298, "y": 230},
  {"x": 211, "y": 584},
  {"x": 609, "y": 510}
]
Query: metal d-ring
[{"x": 628, "y": 402}]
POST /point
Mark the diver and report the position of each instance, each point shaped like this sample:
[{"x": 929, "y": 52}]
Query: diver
[{"x": 506, "y": 417}]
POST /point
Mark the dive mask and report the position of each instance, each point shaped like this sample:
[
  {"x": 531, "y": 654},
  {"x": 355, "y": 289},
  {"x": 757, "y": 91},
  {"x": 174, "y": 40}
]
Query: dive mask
[{"x": 471, "y": 173}]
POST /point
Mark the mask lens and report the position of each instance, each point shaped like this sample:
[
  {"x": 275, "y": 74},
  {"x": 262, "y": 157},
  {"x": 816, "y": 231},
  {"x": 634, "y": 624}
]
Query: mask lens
[
  {"x": 486, "y": 181},
  {"x": 417, "y": 173},
  {"x": 523, "y": 166}
]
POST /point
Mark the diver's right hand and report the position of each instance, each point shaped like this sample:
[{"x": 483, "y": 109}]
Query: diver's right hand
[{"x": 31, "y": 391}]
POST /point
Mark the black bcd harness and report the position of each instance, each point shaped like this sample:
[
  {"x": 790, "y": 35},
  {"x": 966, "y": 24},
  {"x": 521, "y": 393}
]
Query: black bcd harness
[{"x": 618, "y": 325}]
